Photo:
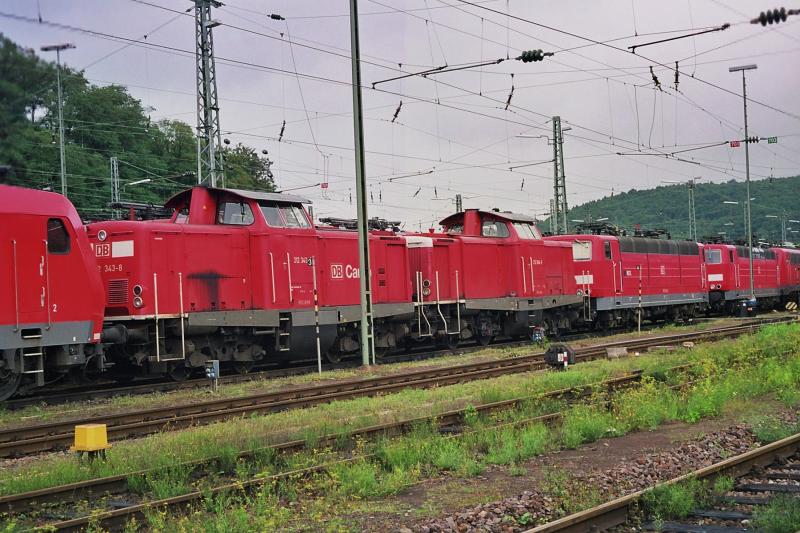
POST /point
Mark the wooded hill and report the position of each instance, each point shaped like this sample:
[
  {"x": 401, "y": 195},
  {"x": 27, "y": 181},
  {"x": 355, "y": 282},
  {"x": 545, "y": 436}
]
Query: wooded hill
[
  {"x": 99, "y": 122},
  {"x": 667, "y": 207}
]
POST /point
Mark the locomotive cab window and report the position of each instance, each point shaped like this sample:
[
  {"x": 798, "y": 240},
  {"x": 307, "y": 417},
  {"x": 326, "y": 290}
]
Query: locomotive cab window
[
  {"x": 582, "y": 251},
  {"x": 713, "y": 257},
  {"x": 271, "y": 214},
  {"x": 494, "y": 228},
  {"x": 57, "y": 237},
  {"x": 527, "y": 231},
  {"x": 455, "y": 229},
  {"x": 235, "y": 214},
  {"x": 294, "y": 217},
  {"x": 607, "y": 249}
]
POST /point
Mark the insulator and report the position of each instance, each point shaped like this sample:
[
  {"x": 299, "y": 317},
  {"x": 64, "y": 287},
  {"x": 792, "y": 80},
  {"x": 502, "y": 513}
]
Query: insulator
[
  {"x": 397, "y": 111},
  {"x": 676, "y": 75},
  {"x": 655, "y": 79},
  {"x": 273, "y": 16},
  {"x": 283, "y": 127},
  {"x": 772, "y": 16}
]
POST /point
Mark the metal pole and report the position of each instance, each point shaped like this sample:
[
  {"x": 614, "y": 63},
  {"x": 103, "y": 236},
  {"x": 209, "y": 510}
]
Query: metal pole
[
  {"x": 61, "y": 125},
  {"x": 316, "y": 312},
  {"x": 562, "y": 179},
  {"x": 365, "y": 280},
  {"x": 747, "y": 169},
  {"x": 692, "y": 215},
  {"x": 556, "y": 213}
]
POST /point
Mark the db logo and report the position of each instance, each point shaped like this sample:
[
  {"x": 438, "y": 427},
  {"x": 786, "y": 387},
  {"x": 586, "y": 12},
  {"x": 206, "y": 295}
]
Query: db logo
[
  {"x": 337, "y": 271},
  {"x": 102, "y": 250}
]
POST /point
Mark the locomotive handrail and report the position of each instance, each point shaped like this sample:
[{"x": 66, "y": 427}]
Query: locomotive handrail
[
  {"x": 16, "y": 284},
  {"x": 46, "y": 259},
  {"x": 272, "y": 275},
  {"x": 438, "y": 304}
]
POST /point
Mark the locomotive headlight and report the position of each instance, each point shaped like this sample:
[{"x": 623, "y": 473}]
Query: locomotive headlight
[
  {"x": 102, "y": 235},
  {"x": 426, "y": 291},
  {"x": 137, "y": 290},
  {"x": 138, "y": 302},
  {"x": 426, "y": 283}
]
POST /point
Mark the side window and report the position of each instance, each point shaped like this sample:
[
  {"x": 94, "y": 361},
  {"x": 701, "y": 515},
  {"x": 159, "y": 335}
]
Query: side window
[
  {"x": 294, "y": 217},
  {"x": 582, "y": 251},
  {"x": 713, "y": 257},
  {"x": 235, "y": 214},
  {"x": 494, "y": 228},
  {"x": 301, "y": 216},
  {"x": 272, "y": 215},
  {"x": 730, "y": 255},
  {"x": 607, "y": 249},
  {"x": 57, "y": 237},
  {"x": 456, "y": 229}
]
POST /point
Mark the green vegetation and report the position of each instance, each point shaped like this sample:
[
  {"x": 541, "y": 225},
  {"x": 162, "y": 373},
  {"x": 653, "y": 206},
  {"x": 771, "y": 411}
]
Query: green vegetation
[
  {"x": 99, "y": 123},
  {"x": 672, "y": 213},
  {"x": 782, "y": 515},
  {"x": 770, "y": 429},
  {"x": 751, "y": 366}
]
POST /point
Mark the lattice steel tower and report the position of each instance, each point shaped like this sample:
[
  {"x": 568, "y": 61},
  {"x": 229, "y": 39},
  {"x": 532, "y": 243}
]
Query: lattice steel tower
[
  {"x": 210, "y": 167},
  {"x": 559, "y": 214}
]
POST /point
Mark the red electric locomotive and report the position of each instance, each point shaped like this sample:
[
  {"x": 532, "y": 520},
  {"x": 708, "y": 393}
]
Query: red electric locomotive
[
  {"x": 51, "y": 298},
  {"x": 625, "y": 276},
  {"x": 728, "y": 268},
  {"x": 789, "y": 274}
]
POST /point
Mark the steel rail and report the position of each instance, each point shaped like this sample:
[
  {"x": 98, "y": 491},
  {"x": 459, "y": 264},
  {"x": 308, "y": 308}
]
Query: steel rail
[
  {"x": 30, "y": 501},
  {"x": 615, "y": 512},
  {"x": 55, "y": 435}
]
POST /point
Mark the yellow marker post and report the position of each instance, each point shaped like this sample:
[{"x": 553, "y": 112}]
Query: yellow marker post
[{"x": 91, "y": 439}]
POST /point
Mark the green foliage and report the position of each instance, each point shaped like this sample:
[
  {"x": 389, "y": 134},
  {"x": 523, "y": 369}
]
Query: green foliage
[
  {"x": 770, "y": 429},
  {"x": 674, "y": 501},
  {"x": 664, "y": 207},
  {"x": 99, "y": 122},
  {"x": 164, "y": 483},
  {"x": 586, "y": 423},
  {"x": 782, "y": 515}
]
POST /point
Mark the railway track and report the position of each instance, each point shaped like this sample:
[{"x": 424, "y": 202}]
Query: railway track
[
  {"x": 760, "y": 475},
  {"x": 97, "y": 489},
  {"x": 64, "y": 395},
  {"x": 58, "y": 435}
]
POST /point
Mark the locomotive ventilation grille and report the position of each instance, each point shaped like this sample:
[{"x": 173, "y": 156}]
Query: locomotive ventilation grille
[{"x": 117, "y": 293}]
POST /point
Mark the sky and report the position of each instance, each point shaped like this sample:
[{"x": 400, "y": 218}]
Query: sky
[{"x": 456, "y": 132}]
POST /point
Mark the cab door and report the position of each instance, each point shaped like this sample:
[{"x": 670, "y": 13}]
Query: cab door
[
  {"x": 298, "y": 241},
  {"x": 28, "y": 246}
]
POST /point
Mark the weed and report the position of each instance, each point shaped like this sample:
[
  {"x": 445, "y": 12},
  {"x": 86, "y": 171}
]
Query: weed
[
  {"x": 674, "y": 500},
  {"x": 586, "y": 423},
  {"x": 771, "y": 429},
  {"x": 163, "y": 483},
  {"x": 782, "y": 515}
]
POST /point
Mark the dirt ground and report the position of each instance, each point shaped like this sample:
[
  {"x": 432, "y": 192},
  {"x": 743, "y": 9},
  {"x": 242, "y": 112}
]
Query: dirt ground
[{"x": 449, "y": 494}]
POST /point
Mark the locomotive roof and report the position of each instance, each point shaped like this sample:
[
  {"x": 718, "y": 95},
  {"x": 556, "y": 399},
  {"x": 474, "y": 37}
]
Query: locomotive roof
[
  {"x": 250, "y": 195},
  {"x": 502, "y": 215}
]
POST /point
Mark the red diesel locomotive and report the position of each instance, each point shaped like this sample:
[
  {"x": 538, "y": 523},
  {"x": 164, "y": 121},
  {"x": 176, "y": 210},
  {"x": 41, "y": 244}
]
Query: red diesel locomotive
[{"x": 243, "y": 277}]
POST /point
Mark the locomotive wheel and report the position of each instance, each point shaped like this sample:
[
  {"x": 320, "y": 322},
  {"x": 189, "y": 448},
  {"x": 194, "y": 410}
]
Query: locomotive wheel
[
  {"x": 179, "y": 372},
  {"x": 9, "y": 383},
  {"x": 243, "y": 367},
  {"x": 333, "y": 356},
  {"x": 452, "y": 342},
  {"x": 484, "y": 340}
]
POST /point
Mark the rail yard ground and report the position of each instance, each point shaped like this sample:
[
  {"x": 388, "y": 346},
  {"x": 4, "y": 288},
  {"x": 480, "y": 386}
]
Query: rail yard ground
[
  {"x": 501, "y": 471},
  {"x": 43, "y": 412}
]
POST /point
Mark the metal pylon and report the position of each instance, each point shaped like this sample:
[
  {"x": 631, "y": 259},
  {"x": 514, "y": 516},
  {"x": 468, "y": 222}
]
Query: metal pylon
[
  {"x": 209, "y": 138},
  {"x": 559, "y": 180}
]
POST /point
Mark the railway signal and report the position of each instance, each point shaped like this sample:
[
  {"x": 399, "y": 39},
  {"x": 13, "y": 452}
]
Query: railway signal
[{"x": 212, "y": 373}]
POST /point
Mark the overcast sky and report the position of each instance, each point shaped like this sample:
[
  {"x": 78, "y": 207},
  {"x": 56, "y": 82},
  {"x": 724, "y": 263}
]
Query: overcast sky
[{"x": 468, "y": 141}]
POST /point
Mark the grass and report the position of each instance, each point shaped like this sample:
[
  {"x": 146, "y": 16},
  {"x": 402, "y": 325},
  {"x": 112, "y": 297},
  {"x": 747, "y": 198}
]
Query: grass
[
  {"x": 782, "y": 515},
  {"x": 40, "y": 413},
  {"x": 677, "y": 500},
  {"x": 730, "y": 370}
]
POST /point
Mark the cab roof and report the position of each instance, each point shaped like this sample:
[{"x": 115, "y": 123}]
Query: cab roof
[
  {"x": 502, "y": 215},
  {"x": 250, "y": 195}
]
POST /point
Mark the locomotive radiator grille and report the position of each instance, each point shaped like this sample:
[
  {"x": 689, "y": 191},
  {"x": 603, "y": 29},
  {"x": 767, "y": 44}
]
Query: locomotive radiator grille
[{"x": 117, "y": 291}]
